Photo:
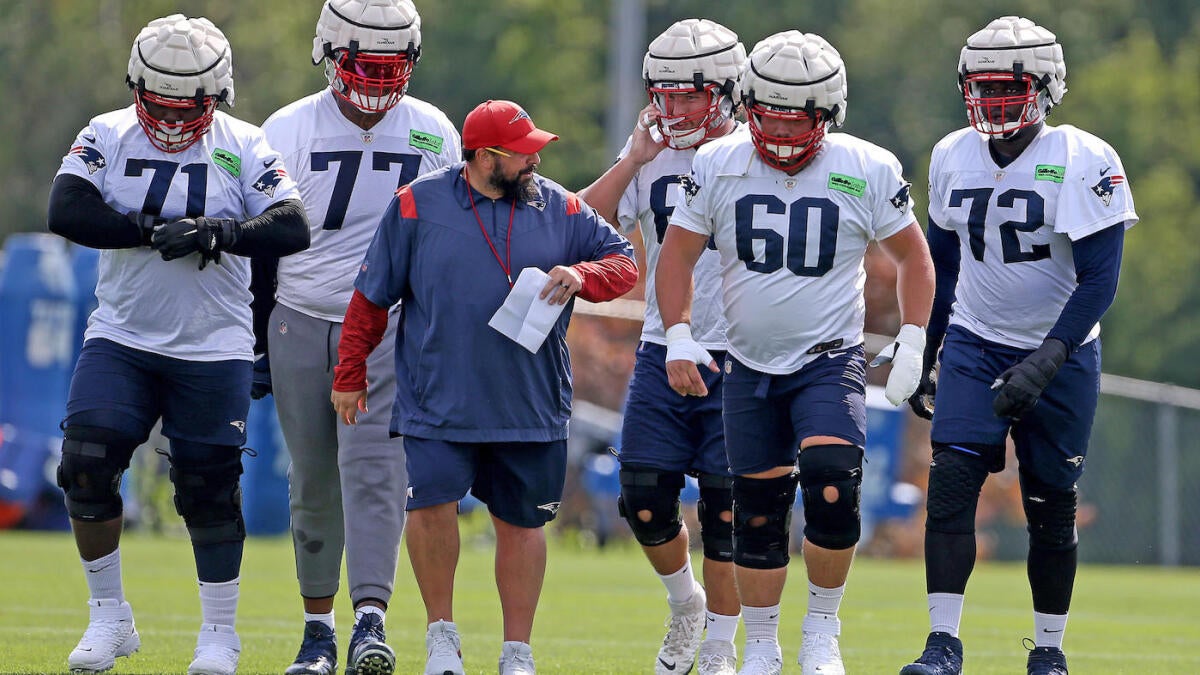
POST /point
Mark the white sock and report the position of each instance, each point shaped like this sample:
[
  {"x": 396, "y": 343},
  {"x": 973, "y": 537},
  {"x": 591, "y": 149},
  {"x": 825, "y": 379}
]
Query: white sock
[
  {"x": 945, "y": 612},
  {"x": 326, "y": 619},
  {"x": 762, "y": 630},
  {"x": 721, "y": 627},
  {"x": 218, "y": 601},
  {"x": 369, "y": 609},
  {"x": 680, "y": 584},
  {"x": 104, "y": 577},
  {"x": 1049, "y": 629},
  {"x": 823, "y": 604}
]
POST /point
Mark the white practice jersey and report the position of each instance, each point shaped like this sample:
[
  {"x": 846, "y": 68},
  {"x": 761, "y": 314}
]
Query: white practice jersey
[
  {"x": 347, "y": 178},
  {"x": 173, "y": 307},
  {"x": 649, "y": 200},
  {"x": 792, "y": 247},
  {"x": 1016, "y": 225}
]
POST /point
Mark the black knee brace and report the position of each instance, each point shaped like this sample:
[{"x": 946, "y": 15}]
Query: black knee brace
[
  {"x": 955, "y": 479},
  {"x": 646, "y": 489},
  {"x": 93, "y": 460},
  {"x": 716, "y": 499},
  {"x": 1051, "y": 514},
  {"x": 209, "y": 497},
  {"x": 833, "y": 525},
  {"x": 762, "y": 519}
]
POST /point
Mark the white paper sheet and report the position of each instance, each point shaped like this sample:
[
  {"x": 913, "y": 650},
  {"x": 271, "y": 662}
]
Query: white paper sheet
[{"x": 525, "y": 318}]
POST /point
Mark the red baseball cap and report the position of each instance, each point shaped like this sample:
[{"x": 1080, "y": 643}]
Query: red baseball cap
[{"x": 503, "y": 124}]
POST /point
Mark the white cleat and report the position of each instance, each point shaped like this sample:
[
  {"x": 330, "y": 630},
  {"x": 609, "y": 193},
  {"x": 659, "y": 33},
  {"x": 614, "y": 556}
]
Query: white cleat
[
  {"x": 110, "y": 634},
  {"x": 716, "y": 657},
  {"x": 217, "y": 651},
  {"x": 685, "y": 627},
  {"x": 820, "y": 655},
  {"x": 444, "y": 650},
  {"x": 516, "y": 658},
  {"x": 760, "y": 664}
]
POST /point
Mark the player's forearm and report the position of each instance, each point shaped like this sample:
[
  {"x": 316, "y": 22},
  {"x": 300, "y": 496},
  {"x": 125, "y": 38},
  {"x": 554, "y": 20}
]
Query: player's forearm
[
  {"x": 362, "y": 331},
  {"x": 608, "y": 278},
  {"x": 1097, "y": 268},
  {"x": 945, "y": 253},
  {"x": 673, "y": 277},
  {"x": 280, "y": 230},
  {"x": 79, "y": 213},
  {"x": 604, "y": 194}
]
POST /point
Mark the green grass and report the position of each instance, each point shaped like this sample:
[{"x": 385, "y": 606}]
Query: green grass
[{"x": 601, "y": 611}]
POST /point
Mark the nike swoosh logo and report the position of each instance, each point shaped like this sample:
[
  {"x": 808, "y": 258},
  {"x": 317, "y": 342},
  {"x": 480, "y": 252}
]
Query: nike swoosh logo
[
  {"x": 92, "y": 139},
  {"x": 668, "y": 666},
  {"x": 773, "y": 617},
  {"x": 1047, "y": 630},
  {"x": 267, "y": 163},
  {"x": 1106, "y": 169}
]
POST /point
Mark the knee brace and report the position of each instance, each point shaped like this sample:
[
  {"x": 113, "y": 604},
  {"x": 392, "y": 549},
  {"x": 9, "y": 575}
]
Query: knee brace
[
  {"x": 762, "y": 519},
  {"x": 645, "y": 490},
  {"x": 209, "y": 496},
  {"x": 955, "y": 479},
  {"x": 1050, "y": 512},
  {"x": 93, "y": 460},
  {"x": 831, "y": 524},
  {"x": 716, "y": 500}
]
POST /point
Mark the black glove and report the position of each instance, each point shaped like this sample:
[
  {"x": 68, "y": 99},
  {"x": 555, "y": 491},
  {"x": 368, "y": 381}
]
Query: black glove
[
  {"x": 260, "y": 386},
  {"x": 207, "y": 236},
  {"x": 145, "y": 224},
  {"x": 921, "y": 401},
  {"x": 1021, "y": 385}
]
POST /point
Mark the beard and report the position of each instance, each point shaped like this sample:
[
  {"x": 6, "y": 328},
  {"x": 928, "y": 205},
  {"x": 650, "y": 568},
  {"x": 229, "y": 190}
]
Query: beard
[{"x": 513, "y": 188}]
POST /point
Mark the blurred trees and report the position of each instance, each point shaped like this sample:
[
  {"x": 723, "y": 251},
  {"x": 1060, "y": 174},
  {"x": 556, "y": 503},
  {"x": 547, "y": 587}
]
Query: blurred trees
[{"x": 1133, "y": 74}]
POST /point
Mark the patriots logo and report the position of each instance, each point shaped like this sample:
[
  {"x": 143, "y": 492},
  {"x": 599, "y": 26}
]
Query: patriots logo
[
  {"x": 239, "y": 425},
  {"x": 552, "y": 507},
  {"x": 690, "y": 188},
  {"x": 1104, "y": 189},
  {"x": 267, "y": 182},
  {"x": 91, "y": 158},
  {"x": 900, "y": 199},
  {"x": 521, "y": 115}
]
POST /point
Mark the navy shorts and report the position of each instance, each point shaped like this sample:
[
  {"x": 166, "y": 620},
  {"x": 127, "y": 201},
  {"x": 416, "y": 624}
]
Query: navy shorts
[
  {"x": 127, "y": 390},
  {"x": 1051, "y": 439},
  {"x": 669, "y": 432},
  {"x": 522, "y": 483},
  {"x": 767, "y": 416}
]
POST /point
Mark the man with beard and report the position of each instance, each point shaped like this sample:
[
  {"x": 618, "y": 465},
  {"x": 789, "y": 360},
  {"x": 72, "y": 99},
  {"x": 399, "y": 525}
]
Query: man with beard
[{"x": 478, "y": 411}]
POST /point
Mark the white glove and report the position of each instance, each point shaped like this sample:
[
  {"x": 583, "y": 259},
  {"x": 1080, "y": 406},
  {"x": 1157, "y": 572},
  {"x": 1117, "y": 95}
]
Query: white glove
[
  {"x": 905, "y": 354},
  {"x": 681, "y": 346}
]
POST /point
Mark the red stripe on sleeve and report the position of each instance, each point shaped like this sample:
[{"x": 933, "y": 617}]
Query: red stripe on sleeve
[
  {"x": 408, "y": 205},
  {"x": 574, "y": 205},
  {"x": 362, "y": 331},
  {"x": 606, "y": 279}
]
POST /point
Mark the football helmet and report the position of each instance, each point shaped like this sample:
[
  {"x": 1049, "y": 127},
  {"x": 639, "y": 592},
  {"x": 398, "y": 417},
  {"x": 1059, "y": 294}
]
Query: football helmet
[
  {"x": 793, "y": 76},
  {"x": 185, "y": 65},
  {"x": 369, "y": 48},
  {"x": 693, "y": 55},
  {"x": 1019, "y": 66}
]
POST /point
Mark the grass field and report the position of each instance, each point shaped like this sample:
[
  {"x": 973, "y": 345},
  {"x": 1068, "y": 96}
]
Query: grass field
[{"x": 602, "y": 611}]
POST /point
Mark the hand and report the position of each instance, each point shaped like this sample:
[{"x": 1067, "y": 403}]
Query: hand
[
  {"x": 906, "y": 356},
  {"x": 683, "y": 354},
  {"x": 647, "y": 142},
  {"x": 146, "y": 224},
  {"x": 1022, "y": 385},
  {"x": 206, "y": 236},
  {"x": 348, "y": 404},
  {"x": 921, "y": 401},
  {"x": 563, "y": 283},
  {"x": 260, "y": 385}
]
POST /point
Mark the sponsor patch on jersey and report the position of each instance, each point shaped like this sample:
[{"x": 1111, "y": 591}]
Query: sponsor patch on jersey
[
  {"x": 1049, "y": 172},
  {"x": 228, "y": 161},
  {"x": 267, "y": 182},
  {"x": 1104, "y": 189},
  {"x": 423, "y": 140},
  {"x": 848, "y": 184},
  {"x": 91, "y": 158},
  {"x": 900, "y": 199}
]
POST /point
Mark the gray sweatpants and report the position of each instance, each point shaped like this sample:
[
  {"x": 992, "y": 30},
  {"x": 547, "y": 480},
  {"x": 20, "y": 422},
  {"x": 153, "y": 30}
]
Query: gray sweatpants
[{"x": 347, "y": 483}]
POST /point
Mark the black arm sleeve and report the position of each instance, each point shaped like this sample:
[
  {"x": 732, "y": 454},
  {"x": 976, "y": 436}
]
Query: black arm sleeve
[
  {"x": 78, "y": 212},
  {"x": 262, "y": 285},
  {"x": 1097, "y": 267},
  {"x": 280, "y": 230},
  {"x": 946, "y": 254}
]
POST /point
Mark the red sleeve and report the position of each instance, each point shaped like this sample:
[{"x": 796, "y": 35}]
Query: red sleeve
[
  {"x": 362, "y": 331},
  {"x": 606, "y": 279}
]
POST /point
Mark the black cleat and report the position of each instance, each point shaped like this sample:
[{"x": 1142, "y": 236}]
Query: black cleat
[
  {"x": 1046, "y": 661},
  {"x": 318, "y": 651},
  {"x": 369, "y": 654},
  {"x": 943, "y": 655}
]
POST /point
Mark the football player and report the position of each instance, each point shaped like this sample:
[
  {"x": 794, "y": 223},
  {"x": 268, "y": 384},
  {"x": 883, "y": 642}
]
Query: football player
[
  {"x": 691, "y": 72},
  {"x": 350, "y": 147},
  {"x": 1026, "y": 225},
  {"x": 176, "y": 194},
  {"x": 791, "y": 209}
]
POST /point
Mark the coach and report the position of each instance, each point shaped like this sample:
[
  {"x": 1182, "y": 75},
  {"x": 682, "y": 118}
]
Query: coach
[{"x": 477, "y": 410}]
